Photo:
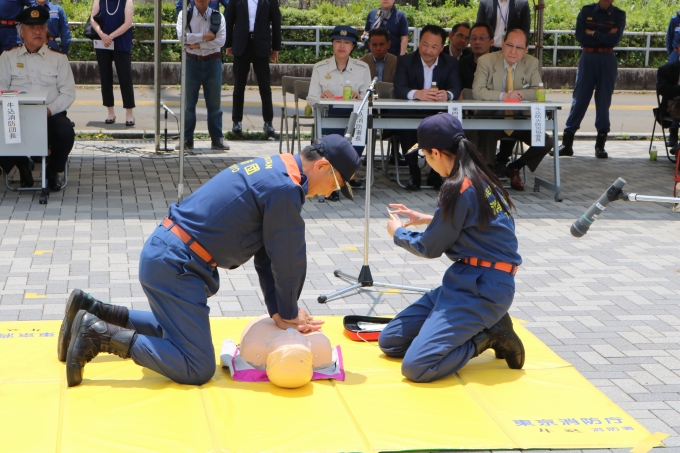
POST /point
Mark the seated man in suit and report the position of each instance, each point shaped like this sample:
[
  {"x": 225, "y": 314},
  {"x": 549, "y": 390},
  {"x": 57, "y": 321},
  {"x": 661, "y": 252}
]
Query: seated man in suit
[
  {"x": 381, "y": 63},
  {"x": 510, "y": 75},
  {"x": 668, "y": 86},
  {"x": 416, "y": 76},
  {"x": 481, "y": 40}
]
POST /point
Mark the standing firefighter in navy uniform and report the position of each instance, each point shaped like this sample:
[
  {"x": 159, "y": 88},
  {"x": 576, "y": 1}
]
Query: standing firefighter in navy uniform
[
  {"x": 599, "y": 28},
  {"x": 9, "y": 11},
  {"x": 472, "y": 224},
  {"x": 251, "y": 209}
]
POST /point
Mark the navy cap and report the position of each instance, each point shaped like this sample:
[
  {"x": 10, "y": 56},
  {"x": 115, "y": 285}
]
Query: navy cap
[
  {"x": 438, "y": 131},
  {"x": 344, "y": 32},
  {"x": 33, "y": 15},
  {"x": 342, "y": 156}
]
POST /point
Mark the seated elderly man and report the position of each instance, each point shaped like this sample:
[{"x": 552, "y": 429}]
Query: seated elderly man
[
  {"x": 668, "y": 86},
  {"x": 510, "y": 75},
  {"x": 33, "y": 66}
]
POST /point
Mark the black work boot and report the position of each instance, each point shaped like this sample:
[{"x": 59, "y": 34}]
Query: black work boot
[
  {"x": 414, "y": 182},
  {"x": 80, "y": 300},
  {"x": 566, "y": 148},
  {"x": 672, "y": 141},
  {"x": 91, "y": 336},
  {"x": 53, "y": 181},
  {"x": 600, "y": 152},
  {"x": 503, "y": 340}
]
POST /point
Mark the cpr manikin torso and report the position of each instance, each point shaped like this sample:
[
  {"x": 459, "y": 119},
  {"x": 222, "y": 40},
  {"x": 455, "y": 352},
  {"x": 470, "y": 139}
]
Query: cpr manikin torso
[{"x": 253, "y": 346}]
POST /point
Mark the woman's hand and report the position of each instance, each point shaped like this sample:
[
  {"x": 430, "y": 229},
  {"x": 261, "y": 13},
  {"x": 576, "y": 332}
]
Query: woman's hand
[
  {"x": 414, "y": 217},
  {"x": 392, "y": 224},
  {"x": 327, "y": 95},
  {"x": 106, "y": 39}
]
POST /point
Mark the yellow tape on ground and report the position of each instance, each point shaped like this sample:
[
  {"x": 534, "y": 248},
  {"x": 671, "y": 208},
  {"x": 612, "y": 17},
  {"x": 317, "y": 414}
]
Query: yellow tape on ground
[
  {"x": 655, "y": 440},
  {"x": 485, "y": 406}
]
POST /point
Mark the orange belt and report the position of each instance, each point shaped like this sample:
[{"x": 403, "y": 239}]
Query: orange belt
[
  {"x": 505, "y": 267},
  {"x": 8, "y": 22},
  {"x": 191, "y": 242},
  {"x": 597, "y": 49}
]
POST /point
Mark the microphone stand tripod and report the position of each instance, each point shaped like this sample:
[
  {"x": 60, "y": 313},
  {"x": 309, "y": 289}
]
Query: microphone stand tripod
[{"x": 365, "y": 278}]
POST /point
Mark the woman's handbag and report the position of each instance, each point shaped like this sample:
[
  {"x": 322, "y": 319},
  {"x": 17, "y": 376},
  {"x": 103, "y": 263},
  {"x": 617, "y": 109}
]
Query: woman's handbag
[{"x": 89, "y": 31}]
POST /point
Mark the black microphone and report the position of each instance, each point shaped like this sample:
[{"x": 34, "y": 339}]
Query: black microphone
[
  {"x": 581, "y": 226},
  {"x": 166, "y": 108}
]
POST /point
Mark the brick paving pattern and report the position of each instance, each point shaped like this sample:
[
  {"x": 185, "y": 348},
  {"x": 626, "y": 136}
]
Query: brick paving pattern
[{"x": 606, "y": 302}]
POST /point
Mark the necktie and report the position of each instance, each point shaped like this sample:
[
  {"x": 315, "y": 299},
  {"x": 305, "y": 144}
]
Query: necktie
[{"x": 508, "y": 89}]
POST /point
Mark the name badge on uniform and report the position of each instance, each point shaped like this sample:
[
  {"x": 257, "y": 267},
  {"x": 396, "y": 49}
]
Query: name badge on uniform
[
  {"x": 328, "y": 76},
  {"x": 589, "y": 18},
  {"x": 20, "y": 65}
]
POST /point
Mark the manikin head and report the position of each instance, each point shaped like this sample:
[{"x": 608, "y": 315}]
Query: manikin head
[{"x": 289, "y": 359}]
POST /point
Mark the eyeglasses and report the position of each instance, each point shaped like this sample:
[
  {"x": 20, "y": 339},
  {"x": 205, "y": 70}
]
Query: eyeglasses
[
  {"x": 462, "y": 36},
  {"x": 337, "y": 183},
  {"x": 481, "y": 38},
  {"x": 517, "y": 48}
]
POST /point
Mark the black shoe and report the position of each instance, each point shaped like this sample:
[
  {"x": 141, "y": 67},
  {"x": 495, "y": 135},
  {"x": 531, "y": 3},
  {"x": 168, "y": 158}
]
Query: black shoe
[
  {"x": 25, "y": 167},
  {"x": 355, "y": 183},
  {"x": 269, "y": 129},
  {"x": 600, "y": 152},
  {"x": 502, "y": 338},
  {"x": 80, "y": 300},
  {"x": 218, "y": 143},
  {"x": 54, "y": 183},
  {"x": 188, "y": 145},
  {"x": 237, "y": 128},
  {"x": 334, "y": 196},
  {"x": 499, "y": 169},
  {"x": 567, "y": 146},
  {"x": 434, "y": 179},
  {"x": 90, "y": 336}
]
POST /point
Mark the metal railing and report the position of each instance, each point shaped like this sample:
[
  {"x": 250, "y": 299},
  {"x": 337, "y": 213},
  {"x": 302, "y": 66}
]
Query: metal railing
[{"x": 415, "y": 37}]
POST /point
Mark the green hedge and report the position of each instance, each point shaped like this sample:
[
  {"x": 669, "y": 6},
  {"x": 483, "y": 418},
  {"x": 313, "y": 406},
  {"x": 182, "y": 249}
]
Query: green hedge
[{"x": 642, "y": 15}]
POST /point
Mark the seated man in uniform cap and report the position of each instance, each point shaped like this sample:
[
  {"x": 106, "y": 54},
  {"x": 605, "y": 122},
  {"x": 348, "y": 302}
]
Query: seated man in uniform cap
[
  {"x": 32, "y": 67},
  {"x": 251, "y": 209}
]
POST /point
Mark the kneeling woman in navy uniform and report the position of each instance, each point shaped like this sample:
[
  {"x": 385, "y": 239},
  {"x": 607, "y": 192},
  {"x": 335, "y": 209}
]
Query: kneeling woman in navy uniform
[{"x": 438, "y": 334}]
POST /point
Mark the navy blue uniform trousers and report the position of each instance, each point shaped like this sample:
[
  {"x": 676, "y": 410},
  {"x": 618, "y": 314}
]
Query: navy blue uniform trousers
[
  {"x": 174, "y": 339},
  {"x": 596, "y": 71},
  {"x": 433, "y": 334}
]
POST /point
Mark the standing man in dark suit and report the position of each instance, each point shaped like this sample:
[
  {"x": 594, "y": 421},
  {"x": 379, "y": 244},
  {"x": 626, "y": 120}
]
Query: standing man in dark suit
[
  {"x": 249, "y": 40},
  {"x": 415, "y": 78},
  {"x": 668, "y": 86},
  {"x": 504, "y": 15}
]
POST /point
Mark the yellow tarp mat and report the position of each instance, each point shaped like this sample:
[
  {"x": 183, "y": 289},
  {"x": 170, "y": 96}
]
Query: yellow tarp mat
[{"x": 121, "y": 407}]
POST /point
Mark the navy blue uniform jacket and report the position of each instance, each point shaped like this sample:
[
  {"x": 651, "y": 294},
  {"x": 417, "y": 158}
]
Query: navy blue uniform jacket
[
  {"x": 252, "y": 209},
  {"x": 410, "y": 75},
  {"x": 462, "y": 238},
  {"x": 592, "y": 17}
]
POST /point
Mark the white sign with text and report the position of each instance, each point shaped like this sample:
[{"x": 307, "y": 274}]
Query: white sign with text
[
  {"x": 456, "y": 111},
  {"x": 537, "y": 125},
  {"x": 359, "y": 137},
  {"x": 11, "y": 121}
]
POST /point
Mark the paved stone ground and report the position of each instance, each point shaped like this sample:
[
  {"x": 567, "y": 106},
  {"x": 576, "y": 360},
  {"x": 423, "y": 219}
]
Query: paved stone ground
[{"x": 606, "y": 302}]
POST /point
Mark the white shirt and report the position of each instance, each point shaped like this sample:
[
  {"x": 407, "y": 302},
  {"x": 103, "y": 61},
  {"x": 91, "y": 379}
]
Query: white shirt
[
  {"x": 252, "y": 12},
  {"x": 43, "y": 70},
  {"x": 502, "y": 13},
  {"x": 200, "y": 23},
  {"x": 427, "y": 79},
  {"x": 327, "y": 76}
]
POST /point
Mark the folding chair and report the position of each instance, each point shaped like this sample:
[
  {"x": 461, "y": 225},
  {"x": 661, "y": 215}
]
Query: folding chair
[
  {"x": 665, "y": 121},
  {"x": 385, "y": 90},
  {"x": 45, "y": 193},
  {"x": 300, "y": 92},
  {"x": 288, "y": 87}
]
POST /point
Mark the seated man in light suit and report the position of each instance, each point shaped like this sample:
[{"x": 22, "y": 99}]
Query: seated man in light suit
[
  {"x": 34, "y": 66},
  {"x": 381, "y": 63},
  {"x": 510, "y": 75}
]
